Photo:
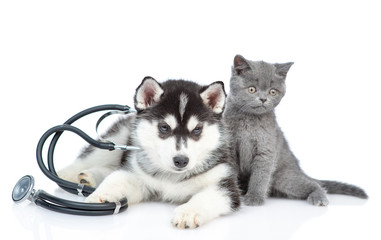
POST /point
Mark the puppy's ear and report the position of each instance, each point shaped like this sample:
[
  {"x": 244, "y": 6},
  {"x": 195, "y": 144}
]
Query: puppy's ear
[
  {"x": 214, "y": 96},
  {"x": 147, "y": 94}
]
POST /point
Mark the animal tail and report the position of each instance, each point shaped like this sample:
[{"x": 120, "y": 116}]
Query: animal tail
[{"x": 335, "y": 187}]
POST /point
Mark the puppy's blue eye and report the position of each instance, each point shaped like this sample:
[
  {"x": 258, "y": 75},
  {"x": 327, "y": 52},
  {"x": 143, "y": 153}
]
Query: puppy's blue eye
[
  {"x": 197, "y": 130},
  {"x": 164, "y": 128}
]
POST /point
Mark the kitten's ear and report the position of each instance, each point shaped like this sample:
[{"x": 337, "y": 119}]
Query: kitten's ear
[
  {"x": 282, "y": 68},
  {"x": 240, "y": 64},
  {"x": 214, "y": 96},
  {"x": 147, "y": 94}
]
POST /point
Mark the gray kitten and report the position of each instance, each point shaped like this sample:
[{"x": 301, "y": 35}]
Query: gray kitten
[{"x": 267, "y": 167}]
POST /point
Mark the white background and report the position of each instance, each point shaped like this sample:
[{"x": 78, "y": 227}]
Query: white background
[{"x": 59, "y": 57}]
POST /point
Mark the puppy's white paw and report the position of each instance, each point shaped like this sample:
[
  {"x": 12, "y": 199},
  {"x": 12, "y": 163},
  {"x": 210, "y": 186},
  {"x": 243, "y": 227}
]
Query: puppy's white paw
[
  {"x": 186, "y": 217},
  {"x": 103, "y": 197},
  {"x": 86, "y": 178},
  {"x": 68, "y": 175}
]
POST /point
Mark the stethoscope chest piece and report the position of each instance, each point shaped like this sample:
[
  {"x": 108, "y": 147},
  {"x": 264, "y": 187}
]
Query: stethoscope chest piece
[{"x": 23, "y": 189}]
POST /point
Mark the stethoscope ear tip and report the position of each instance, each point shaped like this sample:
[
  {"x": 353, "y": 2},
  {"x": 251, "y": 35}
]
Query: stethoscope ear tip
[{"x": 23, "y": 189}]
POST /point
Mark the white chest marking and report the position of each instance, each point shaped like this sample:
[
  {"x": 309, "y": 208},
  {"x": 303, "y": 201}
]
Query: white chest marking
[{"x": 180, "y": 191}]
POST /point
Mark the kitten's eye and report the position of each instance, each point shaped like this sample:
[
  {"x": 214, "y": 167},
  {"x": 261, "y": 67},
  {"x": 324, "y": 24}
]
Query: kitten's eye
[
  {"x": 251, "y": 89},
  {"x": 273, "y": 92},
  {"x": 164, "y": 128}
]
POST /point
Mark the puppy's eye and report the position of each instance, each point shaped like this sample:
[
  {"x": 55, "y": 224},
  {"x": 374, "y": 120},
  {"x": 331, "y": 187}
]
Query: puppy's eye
[
  {"x": 197, "y": 130},
  {"x": 164, "y": 128},
  {"x": 251, "y": 89},
  {"x": 273, "y": 92}
]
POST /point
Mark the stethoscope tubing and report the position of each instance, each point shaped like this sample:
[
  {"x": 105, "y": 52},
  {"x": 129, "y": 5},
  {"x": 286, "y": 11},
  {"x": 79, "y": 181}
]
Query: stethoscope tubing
[
  {"x": 56, "y": 204},
  {"x": 54, "y": 177},
  {"x": 51, "y": 202},
  {"x": 58, "y": 130},
  {"x": 123, "y": 108}
]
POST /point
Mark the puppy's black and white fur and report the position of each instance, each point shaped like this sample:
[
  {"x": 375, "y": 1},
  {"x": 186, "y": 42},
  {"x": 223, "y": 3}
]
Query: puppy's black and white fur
[{"x": 183, "y": 156}]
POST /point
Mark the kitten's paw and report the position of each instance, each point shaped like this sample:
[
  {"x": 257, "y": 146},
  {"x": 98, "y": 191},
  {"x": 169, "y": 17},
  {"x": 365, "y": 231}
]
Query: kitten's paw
[
  {"x": 86, "y": 178},
  {"x": 186, "y": 217},
  {"x": 103, "y": 197},
  {"x": 251, "y": 200},
  {"x": 318, "y": 198}
]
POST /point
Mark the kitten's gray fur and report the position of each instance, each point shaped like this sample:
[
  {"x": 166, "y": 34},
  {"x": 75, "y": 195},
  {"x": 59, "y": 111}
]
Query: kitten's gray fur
[{"x": 266, "y": 164}]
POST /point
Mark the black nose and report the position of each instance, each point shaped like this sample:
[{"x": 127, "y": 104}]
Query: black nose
[
  {"x": 263, "y": 100},
  {"x": 181, "y": 161}
]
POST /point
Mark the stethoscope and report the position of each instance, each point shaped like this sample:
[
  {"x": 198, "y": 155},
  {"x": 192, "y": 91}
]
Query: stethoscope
[{"x": 23, "y": 189}]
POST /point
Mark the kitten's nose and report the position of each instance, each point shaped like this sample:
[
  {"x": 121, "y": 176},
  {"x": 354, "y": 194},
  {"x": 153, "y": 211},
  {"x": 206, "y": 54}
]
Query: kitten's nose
[{"x": 263, "y": 100}]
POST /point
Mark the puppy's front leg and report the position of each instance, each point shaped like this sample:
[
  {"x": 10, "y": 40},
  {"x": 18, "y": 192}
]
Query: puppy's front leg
[
  {"x": 117, "y": 185},
  {"x": 202, "y": 207}
]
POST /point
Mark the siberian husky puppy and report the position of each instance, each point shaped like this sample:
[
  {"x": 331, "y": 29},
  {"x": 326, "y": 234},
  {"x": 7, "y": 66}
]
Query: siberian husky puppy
[{"x": 183, "y": 156}]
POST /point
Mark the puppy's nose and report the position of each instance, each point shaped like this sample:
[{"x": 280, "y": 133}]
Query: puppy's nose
[{"x": 181, "y": 161}]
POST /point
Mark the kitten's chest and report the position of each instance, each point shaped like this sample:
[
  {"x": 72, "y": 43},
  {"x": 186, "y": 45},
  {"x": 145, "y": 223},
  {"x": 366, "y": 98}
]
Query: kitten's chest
[
  {"x": 256, "y": 125},
  {"x": 256, "y": 130}
]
